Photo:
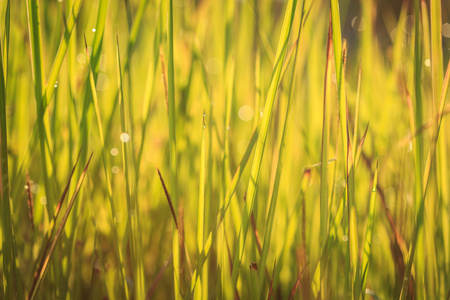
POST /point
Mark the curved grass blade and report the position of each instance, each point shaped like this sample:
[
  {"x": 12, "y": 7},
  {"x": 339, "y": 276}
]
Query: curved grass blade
[
  {"x": 420, "y": 211},
  {"x": 173, "y": 150},
  {"x": 340, "y": 74},
  {"x": 262, "y": 137},
  {"x": 5, "y": 52},
  {"x": 155, "y": 283},
  {"x": 324, "y": 156},
  {"x": 168, "y": 198},
  {"x": 418, "y": 154},
  {"x": 133, "y": 220},
  {"x": 43, "y": 269},
  {"x": 368, "y": 240},
  {"x": 105, "y": 169},
  {"x": 39, "y": 79},
  {"x": 437, "y": 10},
  {"x": 49, "y": 90},
  {"x": 7, "y": 223},
  {"x": 202, "y": 291},
  {"x": 273, "y": 200},
  {"x": 230, "y": 192},
  {"x": 45, "y": 247}
]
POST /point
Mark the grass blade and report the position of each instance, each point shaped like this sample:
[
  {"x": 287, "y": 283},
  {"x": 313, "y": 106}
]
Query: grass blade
[
  {"x": 168, "y": 199},
  {"x": 61, "y": 53},
  {"x": 230, "y": 191},
  {"x": 38, "y": 77},
  {"x": 133, "y": 220},
  {"x": 43, "y": 269},
  {"x": 46, "y": 246},
  {"x": 7, "y": 222},
  {"x": 173, "y": 150},
  {"x": 368, "y": 238},
  {"x": 273, "y": 200},
  {"x": 105, "y": 169},
  {"x": 262, "y": 137},
  {"x": 202, "y": 290},
  {"x": 420, "y": 211},
  {"x": 5, "y": 52},
  {"x": 437, "y": 67},
  {"x": 324, "y": 160}
]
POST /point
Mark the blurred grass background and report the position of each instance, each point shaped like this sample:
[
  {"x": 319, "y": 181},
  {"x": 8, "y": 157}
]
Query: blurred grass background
[{"x": 223, "y": 60}]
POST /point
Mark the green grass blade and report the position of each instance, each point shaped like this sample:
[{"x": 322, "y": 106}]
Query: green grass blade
[
  {"x": 418, "y": 154},
  {"x": 49, "y": 89},
  {"x": 418, "y": 158},
  {"x": 282, "y": 147},
  {"x": 203, "y": 288},
  {"x": 107, "y": 177},
  {"x": 262, "y": 137},
  {"x": 340, "y": 74},
  {"x": 38, "y": 77},
  {"x": 330, "y": 240},
  {"x": 133, "y": 220},
  {"x": 43, "y": 269},
  {"x": 339, "y": 58},
  {"x": 426, "y": 174},
  {"x": 352, "y": 226},
  {"x": 61, "y": 53},
  {"x": 437, "y": 67},
  {"x": 230, "y": 191},
  {"x": 134, "y": 31},
  {"x": 369, "y": 233},
  {"x": 7, "y": 222},
  {"x": 355, "y": 129},
  {"x": 5, "y": 52},
  {"x": 51, "y": 228},
  {"x": 324, "y": 160},
  {"x": 173, "y": 149}
]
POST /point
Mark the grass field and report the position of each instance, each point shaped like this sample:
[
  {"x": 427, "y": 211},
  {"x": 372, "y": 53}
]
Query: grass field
[{"x": 254, "y": 149}]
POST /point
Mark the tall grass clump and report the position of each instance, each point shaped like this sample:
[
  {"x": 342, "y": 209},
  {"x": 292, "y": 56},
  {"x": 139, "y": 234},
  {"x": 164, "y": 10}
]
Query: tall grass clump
[{"x": 254, "y": 149}]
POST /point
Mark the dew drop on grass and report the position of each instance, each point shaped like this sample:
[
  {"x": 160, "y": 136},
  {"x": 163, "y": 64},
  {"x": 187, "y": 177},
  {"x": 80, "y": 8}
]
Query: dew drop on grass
[
  {"x": 43, "y": 200},
  {"x": 427, "y": 62},
  {"x": 114, "y": 151},
  {"x": 246, "y": 113},
  {"x": 56, "y": 84},
  {"x": 344, "y": 238},
  {"x": 81, "y": 58},
  {"x": 93, "y": 29},
  {"x": 446, "y": 30},
  {"x": 115, "y": 170},
  {"x": 125, "y": 137}
]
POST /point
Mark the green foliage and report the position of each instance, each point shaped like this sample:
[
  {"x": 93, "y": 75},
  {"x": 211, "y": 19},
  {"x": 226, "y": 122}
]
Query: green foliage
[{"x": 203, "y": 90}]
